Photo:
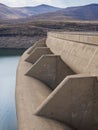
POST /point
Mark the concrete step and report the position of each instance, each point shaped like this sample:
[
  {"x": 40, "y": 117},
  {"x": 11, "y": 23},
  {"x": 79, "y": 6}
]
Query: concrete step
[
  {"x": 73, "y": 101},
  {"x": 30, "y": 93},
  {"x": 37, "y": 53},
  {"x": 40, "y": 43},
  {"x": 49, "y": 69}
]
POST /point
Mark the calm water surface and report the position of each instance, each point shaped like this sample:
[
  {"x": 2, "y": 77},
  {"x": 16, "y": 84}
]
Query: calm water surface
[{"x": 8, "y": 65}]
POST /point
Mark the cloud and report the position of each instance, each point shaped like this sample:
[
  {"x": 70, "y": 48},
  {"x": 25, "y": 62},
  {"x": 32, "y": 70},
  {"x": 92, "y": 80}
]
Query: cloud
[
  {"x": 15, "y": 2},
  {"x": 59, "y": 3},
  {"x": 31, "y": 2}
]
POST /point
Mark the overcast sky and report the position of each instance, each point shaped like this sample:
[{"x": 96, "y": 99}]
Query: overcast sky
[{"x": 58, "y": 3}]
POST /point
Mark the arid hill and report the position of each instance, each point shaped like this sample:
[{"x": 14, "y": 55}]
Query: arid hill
[
  {"x": 9, "y": 13},
  {"x": 87, "y": 12}
]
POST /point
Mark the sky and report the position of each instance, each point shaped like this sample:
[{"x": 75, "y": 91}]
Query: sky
[{"x": 57, "y": 3}]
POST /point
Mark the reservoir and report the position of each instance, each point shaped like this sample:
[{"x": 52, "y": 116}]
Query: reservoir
[{"x": 9, "y": 59}]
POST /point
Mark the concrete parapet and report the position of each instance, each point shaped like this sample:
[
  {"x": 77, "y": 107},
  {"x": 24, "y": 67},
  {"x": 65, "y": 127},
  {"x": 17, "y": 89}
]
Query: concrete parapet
[
  {"x": 80, "y": 57},
  {"x": 37, "y": 53},
  {"x": 40, "y": 43},
  {"x": 84, "y": 37},
  {"x": 50, "y": 69},
  {"x": 73, "y": 102}
]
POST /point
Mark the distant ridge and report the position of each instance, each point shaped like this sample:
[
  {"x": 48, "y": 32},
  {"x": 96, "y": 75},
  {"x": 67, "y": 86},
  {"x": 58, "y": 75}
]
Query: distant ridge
[
  {"x": 87, "y": 12},
  {"x": 40, "y": 9},
  {"x": 24, "y": 12},
  {"x": 8, "y": 13},
  {"x": 46, "y": 12}
]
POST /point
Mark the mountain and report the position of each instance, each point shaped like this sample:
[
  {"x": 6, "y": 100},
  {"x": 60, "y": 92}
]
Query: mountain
[
  {"x": 8, "y": 13},
  {"x": 24, "y": 12},
  {"x": 29, "y": 11},
  {"x": 46, "y": 12},
  {"x": 87, "y": 12}
]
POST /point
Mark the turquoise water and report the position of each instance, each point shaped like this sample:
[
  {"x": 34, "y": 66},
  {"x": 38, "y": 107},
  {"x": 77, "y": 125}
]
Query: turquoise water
[{"x": 8, "y": 65}]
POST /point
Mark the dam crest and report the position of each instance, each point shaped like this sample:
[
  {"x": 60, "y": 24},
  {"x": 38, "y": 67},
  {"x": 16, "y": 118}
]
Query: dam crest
[{"x": 57, "y": 84}]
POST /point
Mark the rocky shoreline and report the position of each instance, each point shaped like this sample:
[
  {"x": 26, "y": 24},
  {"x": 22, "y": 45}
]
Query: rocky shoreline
[{"x": 17, "y": 41}]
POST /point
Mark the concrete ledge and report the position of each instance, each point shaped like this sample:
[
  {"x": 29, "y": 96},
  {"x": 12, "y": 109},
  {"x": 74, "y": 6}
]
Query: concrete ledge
[
  {"x": 73, "y": 102},
  {"x": 37, "y": 53},
  {"x": 40, "y": 43},
  {"x": 30, "y": 93},
  {"x": 50, "y": 69}
]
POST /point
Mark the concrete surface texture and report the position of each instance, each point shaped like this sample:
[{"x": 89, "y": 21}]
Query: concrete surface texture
[
  {"x": 50, "y": 69},
  {"x": 37, "y": 53},
  {"x": 72, "y": 102},
  {"x": 57, "y": 86},
  {"x": 30, "y": 93},
  {"x": 40, "y": 43},
  {"x": 79, "y": 55}
]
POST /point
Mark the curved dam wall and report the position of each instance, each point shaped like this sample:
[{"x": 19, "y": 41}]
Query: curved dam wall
[
  {"x": 57, "y": 83},
  {"x": 78, "y": 50}
]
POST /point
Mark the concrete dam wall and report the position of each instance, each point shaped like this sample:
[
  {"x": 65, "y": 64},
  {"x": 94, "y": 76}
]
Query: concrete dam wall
[{"x": 57, "y": 86}]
